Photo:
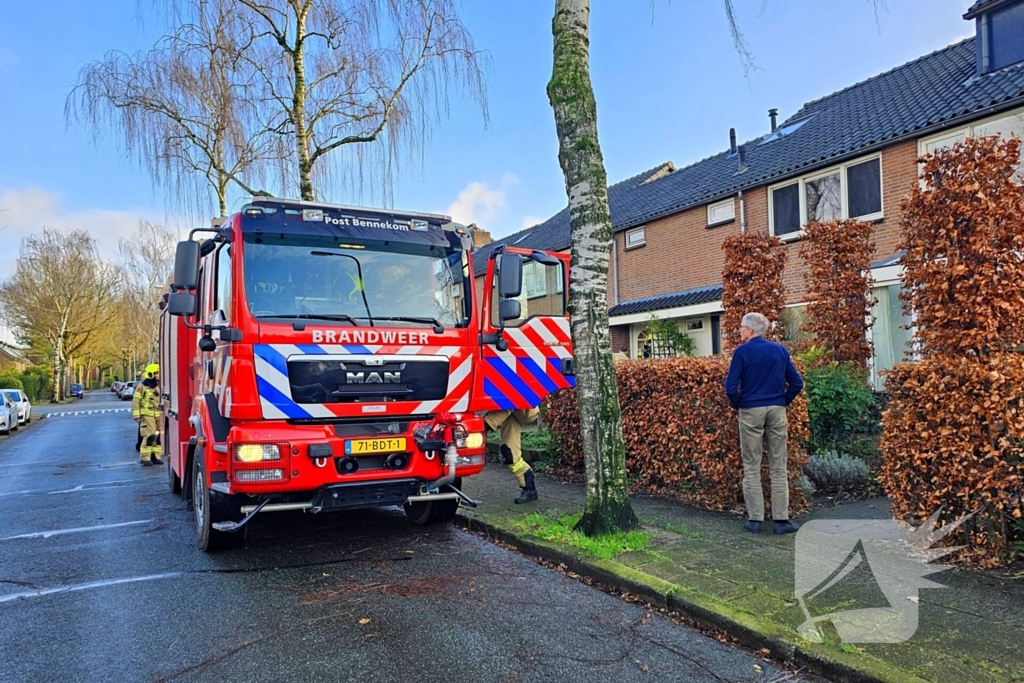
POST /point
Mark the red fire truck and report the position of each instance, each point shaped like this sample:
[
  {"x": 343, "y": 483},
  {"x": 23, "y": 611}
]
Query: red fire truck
[{"x": 322, "y": 357}]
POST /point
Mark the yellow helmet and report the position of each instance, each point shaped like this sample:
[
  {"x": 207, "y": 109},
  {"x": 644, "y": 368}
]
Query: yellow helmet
[{"x": 151, "y": 370}]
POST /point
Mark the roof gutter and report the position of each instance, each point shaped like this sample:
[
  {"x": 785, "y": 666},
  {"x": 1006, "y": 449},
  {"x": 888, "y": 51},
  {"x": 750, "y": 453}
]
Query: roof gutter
[{"x": 832, "y": 161}]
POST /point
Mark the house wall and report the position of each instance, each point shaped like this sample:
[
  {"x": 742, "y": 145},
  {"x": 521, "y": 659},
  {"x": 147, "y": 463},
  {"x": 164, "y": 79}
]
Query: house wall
[
  {"x": 899, "y": 173},
  {"x": 682, "y": 253}
]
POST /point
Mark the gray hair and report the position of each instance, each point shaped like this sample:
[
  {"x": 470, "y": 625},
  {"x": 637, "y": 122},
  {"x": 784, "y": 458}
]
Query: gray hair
[{"x": 757, "y": 323}]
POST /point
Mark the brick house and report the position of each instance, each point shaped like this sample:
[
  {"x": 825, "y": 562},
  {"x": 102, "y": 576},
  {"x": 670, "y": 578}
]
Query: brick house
[
  {"x": 851, "y": 154},
  {"x": 11, "y": 358}
]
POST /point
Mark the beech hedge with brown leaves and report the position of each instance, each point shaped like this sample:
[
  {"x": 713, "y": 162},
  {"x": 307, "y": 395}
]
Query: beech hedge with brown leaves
[
  {"x": 680, "y": 432},
  {"x": 838, "y": 256},
  {"x": 954, "y": 428},
  {"x": 954, "y": 439},
  {"x": 752, "y": 283}
]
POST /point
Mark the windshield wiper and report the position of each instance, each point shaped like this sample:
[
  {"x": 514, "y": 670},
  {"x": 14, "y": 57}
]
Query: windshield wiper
[
  {"x": 312, "y": 316},
  {"x": 409, "y": 319}
]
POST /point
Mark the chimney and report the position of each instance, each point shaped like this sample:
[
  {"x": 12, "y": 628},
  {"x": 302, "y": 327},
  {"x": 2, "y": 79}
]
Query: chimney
[
  {"x": 481, "y": 237},
  {"x": 773, "y": 114},
  {"x": 732, "y": 141},
  {"x": 742, "y": 150}
]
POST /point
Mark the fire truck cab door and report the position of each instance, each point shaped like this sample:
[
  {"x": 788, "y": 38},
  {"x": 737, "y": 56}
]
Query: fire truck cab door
[{"x": 525, "y": 358}]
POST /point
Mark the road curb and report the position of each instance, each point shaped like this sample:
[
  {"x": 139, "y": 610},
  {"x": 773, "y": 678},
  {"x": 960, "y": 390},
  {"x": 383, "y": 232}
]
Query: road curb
[{"x": 748, "y": 629}]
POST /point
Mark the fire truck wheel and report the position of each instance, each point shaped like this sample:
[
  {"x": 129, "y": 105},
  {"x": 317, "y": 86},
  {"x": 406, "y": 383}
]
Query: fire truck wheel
[
  {"x": 209, "y": 507},
  {"x": 435, "y": 512}
]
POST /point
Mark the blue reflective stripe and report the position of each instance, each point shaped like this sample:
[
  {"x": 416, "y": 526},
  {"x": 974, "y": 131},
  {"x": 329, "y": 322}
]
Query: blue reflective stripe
[
  {"x": 272, "y": 356},
  {"x": 556, "y": 366},
  {"x": 539, "y": 374},
  {"x": 310, "y": 349},
  {"x": 280, "y": 401},
  {"x": 513, "y": 379},
  {"x": 358, "y": 348},
  {"x": 503, "y": 402}
]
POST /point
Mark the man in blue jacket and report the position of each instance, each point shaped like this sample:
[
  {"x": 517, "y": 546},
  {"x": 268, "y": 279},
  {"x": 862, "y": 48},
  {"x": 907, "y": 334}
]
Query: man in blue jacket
[{"x": 762, "y": 381}]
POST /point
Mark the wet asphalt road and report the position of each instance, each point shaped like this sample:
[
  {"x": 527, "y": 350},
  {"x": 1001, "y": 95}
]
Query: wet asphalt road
[{"x": 100, "y": 580}]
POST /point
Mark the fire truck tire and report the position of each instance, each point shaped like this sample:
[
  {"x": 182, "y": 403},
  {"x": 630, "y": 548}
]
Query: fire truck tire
[
  {"x": 436, "y": 512},
  {"x": 209, "y": 507}
]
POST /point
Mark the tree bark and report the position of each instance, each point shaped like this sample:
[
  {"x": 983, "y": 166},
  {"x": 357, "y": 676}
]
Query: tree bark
[{"x": 607, "y": 508}]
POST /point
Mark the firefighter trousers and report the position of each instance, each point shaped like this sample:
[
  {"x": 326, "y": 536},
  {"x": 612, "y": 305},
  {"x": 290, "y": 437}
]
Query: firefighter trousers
[
  {"x": 510, "y": 423},
  {"x": 149, "y": 432}
]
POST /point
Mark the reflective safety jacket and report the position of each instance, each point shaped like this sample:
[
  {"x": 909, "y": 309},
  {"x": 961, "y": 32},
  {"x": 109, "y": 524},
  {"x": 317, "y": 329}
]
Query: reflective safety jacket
[{"x": 146, "y": 400}]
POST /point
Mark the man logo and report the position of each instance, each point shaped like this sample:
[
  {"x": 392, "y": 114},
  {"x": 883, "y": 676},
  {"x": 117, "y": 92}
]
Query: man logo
[
  {"x": 863, "y": 576},
  {"x": 373, "y": 378}
]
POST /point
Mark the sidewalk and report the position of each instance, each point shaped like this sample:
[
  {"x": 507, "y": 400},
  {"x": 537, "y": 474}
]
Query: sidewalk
[{"x": 703, "y": 564}]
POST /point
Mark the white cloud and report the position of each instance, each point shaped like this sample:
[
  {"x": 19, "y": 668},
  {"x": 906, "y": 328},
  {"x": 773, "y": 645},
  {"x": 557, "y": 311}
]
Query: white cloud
[
  {"x": 28, "y": 211},
  {"x": 7, "y": 59},
  {"x": 480, "y": 203}
]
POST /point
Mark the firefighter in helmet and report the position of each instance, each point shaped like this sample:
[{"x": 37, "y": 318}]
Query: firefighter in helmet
[
  {"x": 510, "y": 424},
  {"x": 146, "y": 411}
]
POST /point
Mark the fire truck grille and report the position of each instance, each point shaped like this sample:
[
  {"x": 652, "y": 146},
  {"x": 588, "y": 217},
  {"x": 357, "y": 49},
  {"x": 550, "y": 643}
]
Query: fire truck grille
[
  {"x": 334, "y": 381},
  {"x": 370, "y": 428}
]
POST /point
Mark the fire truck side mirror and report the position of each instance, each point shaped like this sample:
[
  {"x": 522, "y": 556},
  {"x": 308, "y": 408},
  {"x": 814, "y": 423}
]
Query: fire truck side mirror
[
  {"x": 182, "y": 303},
  {"x": 509, "y": 309},
  {"x": 510, "y": 276},
  {"x": 186, "y": 266}
]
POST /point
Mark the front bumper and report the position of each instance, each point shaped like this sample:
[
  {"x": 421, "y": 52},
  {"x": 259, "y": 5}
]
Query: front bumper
[{"x": 312, "y": 458}]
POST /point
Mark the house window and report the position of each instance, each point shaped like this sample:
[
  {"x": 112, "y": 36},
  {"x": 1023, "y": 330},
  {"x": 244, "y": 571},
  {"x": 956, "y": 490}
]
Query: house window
[
  {"x": 864, "y": 188},
  {"x": 721, "y": 212},
  {"x": 786, "y": 209},
  {"x": 695, "y": 325},
  {"x": 637, "y": 237},
  {"x": 823, "y": 197},
  {"x": 848, "y": 191},
  {"x": 891, "y": 333},
  {"x": 1003, "y": 125},
  {"x": 534, "y": 280}
]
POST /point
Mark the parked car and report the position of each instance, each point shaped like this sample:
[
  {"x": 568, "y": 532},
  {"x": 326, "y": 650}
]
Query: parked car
[
  {"x": 8, "y": 415},
  {"x": 127, "y": 391},
  {"x": 76, "y": 391},
  {"x": 116, "y": 386},
  {"x": 21, "y": 401}
]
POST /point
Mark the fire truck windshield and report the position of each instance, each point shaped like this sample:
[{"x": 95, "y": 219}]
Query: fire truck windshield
[{"x": 358, "y": 283}]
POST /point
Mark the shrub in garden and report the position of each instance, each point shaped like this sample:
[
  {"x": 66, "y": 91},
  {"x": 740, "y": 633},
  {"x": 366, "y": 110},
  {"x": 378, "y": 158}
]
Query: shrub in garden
[
  {"x": 839, "y": 403},
  {"x": 38, "y": 379},
  {"x": 680, "y": 432},
  {"x": 954, "y": 427},
  {"x": 9, "y": 380},
  {"x": 838, "y": 256},
  {"x": 837, "y": 473},
  {"x": 953, "y": 438},
  {"x": 752, "y": 282}
]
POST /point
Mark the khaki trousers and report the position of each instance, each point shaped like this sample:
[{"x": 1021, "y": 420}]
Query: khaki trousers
[
  {"x": 511, "y": 422},
  {"x": 755, "y": 424}
]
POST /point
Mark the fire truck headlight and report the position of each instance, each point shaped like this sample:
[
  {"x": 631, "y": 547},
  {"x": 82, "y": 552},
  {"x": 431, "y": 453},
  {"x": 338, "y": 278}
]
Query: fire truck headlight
[
  {"x": 474, "y": 440},
  {"x": 257, "y": 452}
]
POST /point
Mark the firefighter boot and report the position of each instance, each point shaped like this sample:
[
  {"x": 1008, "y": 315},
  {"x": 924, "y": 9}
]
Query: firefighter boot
[{"x": 529, "y": 491}]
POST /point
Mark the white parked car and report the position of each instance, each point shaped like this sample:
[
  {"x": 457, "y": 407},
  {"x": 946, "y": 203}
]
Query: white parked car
[
  {"x": 24, "y": 406},
  {"x": 8, "y": 415},
  {"x": 127, "y": 391}
]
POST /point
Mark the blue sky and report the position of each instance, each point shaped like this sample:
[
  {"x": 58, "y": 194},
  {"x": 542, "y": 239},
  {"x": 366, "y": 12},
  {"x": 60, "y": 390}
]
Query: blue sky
[{"x": 668, "y": 83}]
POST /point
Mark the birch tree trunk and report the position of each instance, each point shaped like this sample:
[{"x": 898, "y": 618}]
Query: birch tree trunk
[{"x": 607, "y": 507}]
